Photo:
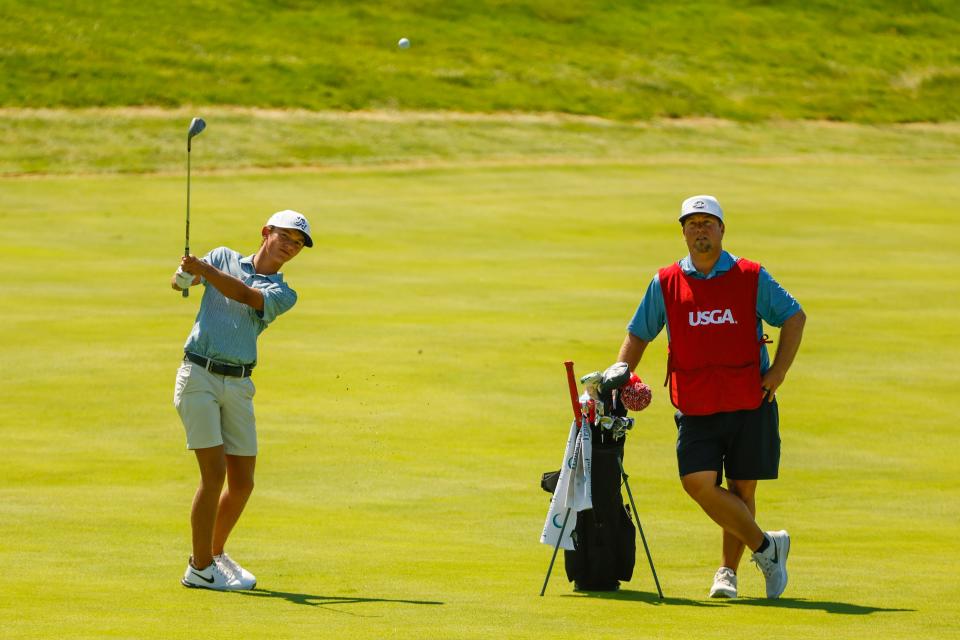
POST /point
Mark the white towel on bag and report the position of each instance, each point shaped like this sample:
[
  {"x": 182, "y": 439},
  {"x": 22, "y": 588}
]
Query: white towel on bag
[{"x": 574, "y": 489}]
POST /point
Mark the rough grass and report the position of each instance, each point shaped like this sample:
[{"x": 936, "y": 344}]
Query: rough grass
[
  {"x": 150, "y": 140},
  {"x": 410, "y": 401},
  {"x": 877, "y": 61}
]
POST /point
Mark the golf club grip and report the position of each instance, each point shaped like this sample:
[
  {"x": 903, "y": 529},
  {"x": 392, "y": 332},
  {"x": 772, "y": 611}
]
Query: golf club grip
[
  {"x": 574, "y": 396},
  {"x": 186, "y": 292}
]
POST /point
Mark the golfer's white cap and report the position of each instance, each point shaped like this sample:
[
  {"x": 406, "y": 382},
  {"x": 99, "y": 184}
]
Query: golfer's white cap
[
  {"x": 288, "y": 219},
  {"x": 701, "y": 204}
]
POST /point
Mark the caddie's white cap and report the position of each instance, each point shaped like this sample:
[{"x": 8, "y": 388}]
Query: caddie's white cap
[
  {"x": 289, "y": 219},
  {"x": 701, "y": 204}
]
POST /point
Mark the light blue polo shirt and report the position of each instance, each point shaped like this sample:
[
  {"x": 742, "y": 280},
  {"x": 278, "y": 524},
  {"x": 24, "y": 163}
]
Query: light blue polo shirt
[
  {"x": 774, "y": 304},
  {"x": 226, "y": 330}
]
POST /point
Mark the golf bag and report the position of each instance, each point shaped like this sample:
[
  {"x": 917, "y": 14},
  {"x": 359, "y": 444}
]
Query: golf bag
[{"x": 605, "y": 539}]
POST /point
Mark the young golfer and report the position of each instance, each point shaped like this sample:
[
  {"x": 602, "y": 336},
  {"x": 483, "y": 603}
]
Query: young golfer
[
  {"x": 214, "y": 389},
  {"x": 723, "y": 383}
]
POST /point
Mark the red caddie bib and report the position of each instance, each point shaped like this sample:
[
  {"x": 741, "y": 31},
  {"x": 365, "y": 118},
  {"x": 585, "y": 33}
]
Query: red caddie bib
[{"x": 713, "y": 361}]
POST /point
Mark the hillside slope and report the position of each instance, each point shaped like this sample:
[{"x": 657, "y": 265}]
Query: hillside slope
[{"x": 871, "y": 61}]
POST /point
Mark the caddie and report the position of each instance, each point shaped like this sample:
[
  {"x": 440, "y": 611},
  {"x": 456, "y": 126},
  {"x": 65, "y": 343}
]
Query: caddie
[
  {"x": 214, "y": 388},
  {"x": 722, "y": 383}
]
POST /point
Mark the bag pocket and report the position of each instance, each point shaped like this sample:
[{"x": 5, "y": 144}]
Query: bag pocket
[{"x": 627, "y": 546}]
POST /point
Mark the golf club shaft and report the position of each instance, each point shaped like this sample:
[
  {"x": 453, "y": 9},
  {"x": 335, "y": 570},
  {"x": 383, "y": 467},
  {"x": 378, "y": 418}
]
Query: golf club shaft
[
  {"x": 186, "y": 241},
  {"x": 636, "y": 516}
]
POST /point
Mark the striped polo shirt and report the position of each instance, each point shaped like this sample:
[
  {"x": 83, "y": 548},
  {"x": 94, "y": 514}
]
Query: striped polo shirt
[{"x": 226, "y": 330}]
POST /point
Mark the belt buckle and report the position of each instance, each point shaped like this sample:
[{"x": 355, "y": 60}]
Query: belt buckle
[{"x": 209, "y": 364}]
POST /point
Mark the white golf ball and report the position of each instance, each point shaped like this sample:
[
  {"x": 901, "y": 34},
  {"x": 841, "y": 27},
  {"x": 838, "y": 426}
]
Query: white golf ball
[{"x": 403, "y": 43}]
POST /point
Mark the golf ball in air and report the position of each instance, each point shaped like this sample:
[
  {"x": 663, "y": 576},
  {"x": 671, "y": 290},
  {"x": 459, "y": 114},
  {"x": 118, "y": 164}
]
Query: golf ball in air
[{"x": 403, "y": 43}]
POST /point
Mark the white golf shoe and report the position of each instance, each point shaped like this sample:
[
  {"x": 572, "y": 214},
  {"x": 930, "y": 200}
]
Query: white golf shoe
[
  {"x": 773, "y": 562},
  {"x": 724, "y": 584},
  {"x": 211, "y": 577},
  {"x": 231, "y": 567}
]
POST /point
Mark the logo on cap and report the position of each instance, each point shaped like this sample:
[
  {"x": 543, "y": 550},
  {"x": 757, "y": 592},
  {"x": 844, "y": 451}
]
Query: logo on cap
[
  {"x": 699, "y": 204},
  {"x": 300, "y": 223}
]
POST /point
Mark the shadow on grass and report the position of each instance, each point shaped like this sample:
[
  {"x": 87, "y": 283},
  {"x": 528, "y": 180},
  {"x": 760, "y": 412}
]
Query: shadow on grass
[
  {"x": 311, "y": 600},
  {"x": 642, "y": 596},
  {"x": 845, "y": 608}
]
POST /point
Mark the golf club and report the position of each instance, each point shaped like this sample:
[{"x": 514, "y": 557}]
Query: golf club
[{"x": 196, "y": 126}]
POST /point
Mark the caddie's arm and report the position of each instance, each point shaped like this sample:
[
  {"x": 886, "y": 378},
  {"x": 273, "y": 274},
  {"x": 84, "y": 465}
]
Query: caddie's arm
[
  {"x": 632, "y": 350},
  {"x": 790, "y": 336},
  {"x": 648, "y": 321},
  {"x": 224, "y": 283}
]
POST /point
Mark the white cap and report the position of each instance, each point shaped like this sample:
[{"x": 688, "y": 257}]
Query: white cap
[
  {"x": 288, "y": 219},
  {"x": 701, "y": 204}
]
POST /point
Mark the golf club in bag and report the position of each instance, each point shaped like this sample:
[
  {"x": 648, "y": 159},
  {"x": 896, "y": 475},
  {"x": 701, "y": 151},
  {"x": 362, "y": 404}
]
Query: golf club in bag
[
  {"x": 604, "y": 538},
  {"x": 196, "y": 126}
]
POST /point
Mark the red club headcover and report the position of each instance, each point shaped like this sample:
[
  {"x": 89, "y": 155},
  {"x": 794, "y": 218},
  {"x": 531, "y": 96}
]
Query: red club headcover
[{"x": 635, "y": 395}]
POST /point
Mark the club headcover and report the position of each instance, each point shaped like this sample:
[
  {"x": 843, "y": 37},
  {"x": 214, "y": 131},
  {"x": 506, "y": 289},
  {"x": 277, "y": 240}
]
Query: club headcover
[
  {"x": 614, "y": 377},
  {"x": 636, "y": 394}
]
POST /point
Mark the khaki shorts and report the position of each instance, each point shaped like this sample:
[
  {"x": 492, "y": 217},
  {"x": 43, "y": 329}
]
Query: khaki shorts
[{"x": 216, "y": 410}]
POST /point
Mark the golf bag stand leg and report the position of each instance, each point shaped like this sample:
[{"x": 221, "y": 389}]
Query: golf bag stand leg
[
  {"x": 555, "y": 548},
  {"x": 636, "y": 517}
]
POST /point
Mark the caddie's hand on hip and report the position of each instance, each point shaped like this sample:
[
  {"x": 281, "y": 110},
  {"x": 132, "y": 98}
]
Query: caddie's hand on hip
[{"x": 771, "y": 381}]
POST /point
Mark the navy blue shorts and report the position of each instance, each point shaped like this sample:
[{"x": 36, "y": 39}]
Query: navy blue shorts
[{"x": 744, "y": 444}]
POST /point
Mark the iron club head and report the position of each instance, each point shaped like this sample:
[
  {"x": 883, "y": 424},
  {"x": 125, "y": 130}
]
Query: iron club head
[{"x": 196, "y": 126}]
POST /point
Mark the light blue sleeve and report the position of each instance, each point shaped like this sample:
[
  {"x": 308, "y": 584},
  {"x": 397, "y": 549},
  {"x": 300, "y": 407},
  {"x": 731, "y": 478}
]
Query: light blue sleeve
[
  {"x": 217, "y": 258},
  {"x": 277, "y": 299},
  {"x": 651, "y": 315},
  {"x": 774, "y": 304}
]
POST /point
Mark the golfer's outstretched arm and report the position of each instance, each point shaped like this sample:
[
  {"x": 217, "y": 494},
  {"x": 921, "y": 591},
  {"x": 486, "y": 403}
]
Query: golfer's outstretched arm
[
  {"x": 226, "y": 284},
  {"x": 790, "y": 336},
  {"x": 632, "y": 350}
]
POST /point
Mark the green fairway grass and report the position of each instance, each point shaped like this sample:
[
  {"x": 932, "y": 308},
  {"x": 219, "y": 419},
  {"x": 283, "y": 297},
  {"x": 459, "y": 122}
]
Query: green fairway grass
[
  {"x": 866, "y": 61},
  {"x": 410, "y": 401}
]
